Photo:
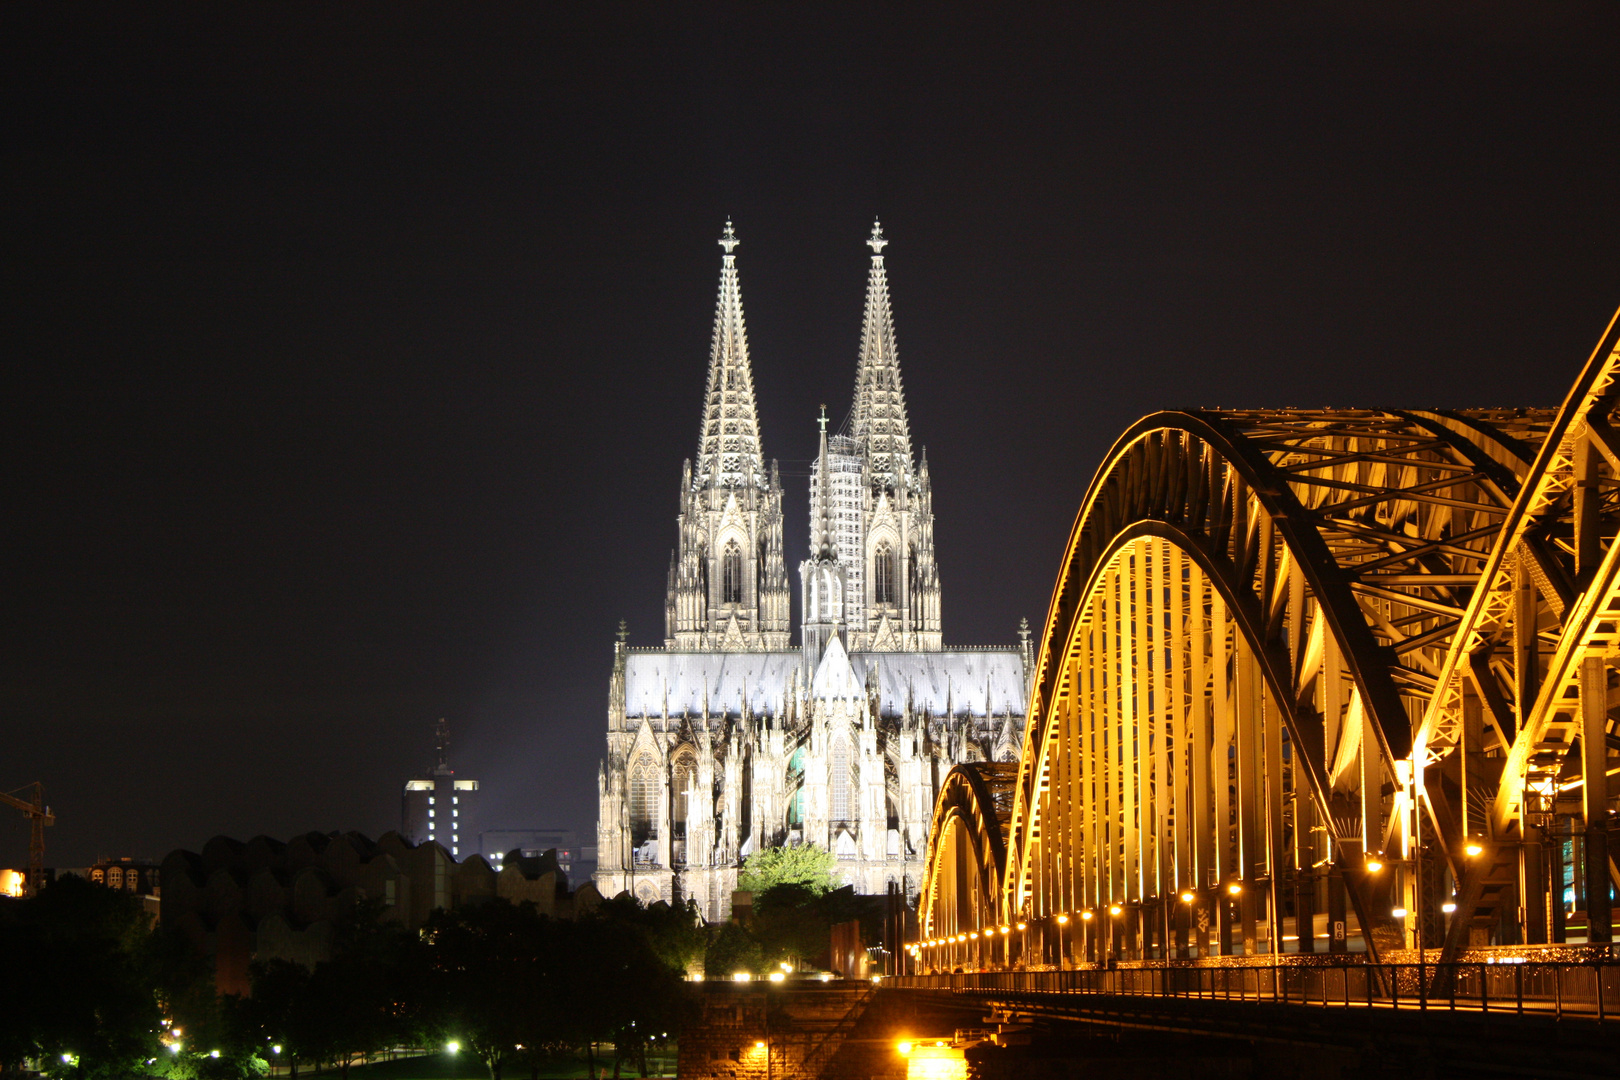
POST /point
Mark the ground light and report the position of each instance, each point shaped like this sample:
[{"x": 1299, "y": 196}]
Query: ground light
[
  {"x": 904, "y": 1047},
  {"x": 740, "y": 976}
]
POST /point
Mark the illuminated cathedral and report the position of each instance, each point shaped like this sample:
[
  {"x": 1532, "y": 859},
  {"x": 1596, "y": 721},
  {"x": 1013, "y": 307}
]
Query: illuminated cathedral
[{"x": 730, "y": 738}]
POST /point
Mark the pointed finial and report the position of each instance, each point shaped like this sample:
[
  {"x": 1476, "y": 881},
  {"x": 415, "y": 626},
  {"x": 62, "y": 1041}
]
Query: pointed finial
[
  {"x": 728, "y": 239},
  {"x": 624, "y": 630},
  {"x": 823, "y": 419},
  {"x": 876, "y": 242}
]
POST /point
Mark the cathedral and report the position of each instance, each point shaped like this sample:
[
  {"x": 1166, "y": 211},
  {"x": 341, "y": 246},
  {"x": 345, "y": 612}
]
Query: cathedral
[{"x": 729, "y": 738}]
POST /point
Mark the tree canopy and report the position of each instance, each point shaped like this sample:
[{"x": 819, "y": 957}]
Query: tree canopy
[{"x": 805, "y": 864}]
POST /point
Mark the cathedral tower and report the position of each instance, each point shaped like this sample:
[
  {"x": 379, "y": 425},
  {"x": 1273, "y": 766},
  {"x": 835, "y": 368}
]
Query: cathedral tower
[
  {"x": 880, "y": 504},
  {"x": 728, "y": 587}
]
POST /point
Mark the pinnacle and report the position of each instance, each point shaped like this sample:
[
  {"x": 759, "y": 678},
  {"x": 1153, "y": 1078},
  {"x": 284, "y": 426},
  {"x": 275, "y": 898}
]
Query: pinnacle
[
  {"x": 879, "y": 419},
  {"x": 729, "y": 452}
]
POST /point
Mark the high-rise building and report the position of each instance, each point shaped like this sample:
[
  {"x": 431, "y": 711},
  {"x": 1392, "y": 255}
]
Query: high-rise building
[
  {"x": 729, "y": 739},
  {"x": 440, "y": 806}
]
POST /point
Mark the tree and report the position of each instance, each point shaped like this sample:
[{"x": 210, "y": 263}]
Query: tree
[
  {"x": 805, "y": 864},
  {"x": 76, "y": 980}
]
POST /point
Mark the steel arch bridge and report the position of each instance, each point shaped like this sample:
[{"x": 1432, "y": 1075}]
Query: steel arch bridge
[{"x": 1311, "y": 680}]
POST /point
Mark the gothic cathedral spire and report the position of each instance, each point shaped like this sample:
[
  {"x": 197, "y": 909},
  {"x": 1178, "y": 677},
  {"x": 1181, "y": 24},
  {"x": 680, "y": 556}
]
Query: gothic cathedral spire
[
  {"x": 729, "y": 453},
  {"x": 878, "y": 421},
  {"x": 728, "y": 587}
]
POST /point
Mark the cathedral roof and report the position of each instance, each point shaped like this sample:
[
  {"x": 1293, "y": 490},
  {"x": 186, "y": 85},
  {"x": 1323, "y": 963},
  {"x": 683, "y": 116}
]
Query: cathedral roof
[
  {"x": 959, "y": 680},
  {"x": 835, "y": 678}
]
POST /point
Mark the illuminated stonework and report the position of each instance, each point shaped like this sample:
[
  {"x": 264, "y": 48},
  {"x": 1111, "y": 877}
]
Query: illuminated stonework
[{"x": 729, "y": 739}]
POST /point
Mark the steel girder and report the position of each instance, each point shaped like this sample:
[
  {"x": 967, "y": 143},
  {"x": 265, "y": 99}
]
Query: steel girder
[
  {"x": 1340, "y": 550},
  {"x": 1527, "y": 691}
]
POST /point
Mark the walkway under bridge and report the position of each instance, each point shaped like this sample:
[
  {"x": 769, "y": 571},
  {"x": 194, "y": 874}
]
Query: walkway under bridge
[{"x": 1315, "y": 686}]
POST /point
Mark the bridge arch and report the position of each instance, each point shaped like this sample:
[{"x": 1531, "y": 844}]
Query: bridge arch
[
  {"x": 1249, "y": 618},
  {"x": 967, "y": 855},
  {"x": 1307, "y": 659}
]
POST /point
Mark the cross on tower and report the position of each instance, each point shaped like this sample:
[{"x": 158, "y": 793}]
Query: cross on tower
[
  {"x": 728, "y": 239},
  {"x": 876, "y": 242}
]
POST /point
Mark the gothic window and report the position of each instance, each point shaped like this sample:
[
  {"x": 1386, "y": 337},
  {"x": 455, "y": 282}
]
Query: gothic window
[
  {"x": 731, "y": 575},
  {"x": 883, "y": 576},
  {"x": 643, "y": 797},
  {"x": 685, "y": 774},
  {"x": 911, "y": 570},
  {"x": 840, "y": 781}
]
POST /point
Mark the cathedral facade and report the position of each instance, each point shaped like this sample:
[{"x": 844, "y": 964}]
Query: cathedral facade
[{"x": 730, "y": 738}]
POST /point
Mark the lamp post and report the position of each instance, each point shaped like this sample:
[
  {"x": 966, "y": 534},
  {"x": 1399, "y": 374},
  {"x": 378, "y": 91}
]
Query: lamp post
[{"x": 1062, "y": 921}]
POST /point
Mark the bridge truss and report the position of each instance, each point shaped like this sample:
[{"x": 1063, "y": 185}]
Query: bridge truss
[{"x": 1309, "y": 676}]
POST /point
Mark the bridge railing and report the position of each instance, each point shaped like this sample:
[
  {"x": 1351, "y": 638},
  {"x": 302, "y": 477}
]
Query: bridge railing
[{"x": 1590, "y": 989}]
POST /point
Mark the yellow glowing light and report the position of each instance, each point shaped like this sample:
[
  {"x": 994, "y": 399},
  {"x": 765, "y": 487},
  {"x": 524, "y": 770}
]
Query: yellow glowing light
[
  {"x": 1006, "y": 929},
  {"x": 1063, "y": 920},
  {"x": 1399, "y": 913},
  {"x": 974, "y": 936},
  {"x": 1114, "y": 909},
  {"x": 785, "y": 966},
  {"x": 740, "y": 976},
  {"x": 1086, "y": 915},
  {"x": 1474, "y": 850},
  {"x": 826, "y": 976},
  {"x": 904, "y": 1048},
  {"x": 1022, "y": 926},
  {"x": 453, "y": 1046},
  {"x": 276, "y": 1049},
  {"x": 759, "y": 1046},
  {"x": 1186, "y": 897},
  {"x": 777, "y": 976},
  {"x": 11, "y": 883},
  {"x": 1234, "y": 888},
  {"x": 1448, "y": 907},
  {"x": 1373, "y": 866}
]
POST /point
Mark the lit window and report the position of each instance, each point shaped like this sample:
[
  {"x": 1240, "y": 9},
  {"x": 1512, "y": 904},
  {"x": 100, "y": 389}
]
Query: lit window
[
  {"x": 430, "y": 800},
  {"x": 455, "y": 799},
  {"x": 455, "y": 813}
]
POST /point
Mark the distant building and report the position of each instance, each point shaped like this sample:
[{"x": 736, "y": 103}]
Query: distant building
[
  {"x": 235, "y": 902},
  {"x": 573, "y": 859},
  {"x": 128, "y": 875},
  {"x": 437, "y": 804}
]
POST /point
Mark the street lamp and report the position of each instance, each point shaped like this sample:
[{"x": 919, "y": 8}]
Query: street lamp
[{"x": 1062, "y": 921}]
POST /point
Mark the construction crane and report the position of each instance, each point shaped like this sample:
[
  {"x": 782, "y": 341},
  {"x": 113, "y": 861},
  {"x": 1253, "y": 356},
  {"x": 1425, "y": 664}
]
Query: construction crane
[{"x": 39, "y": 816}]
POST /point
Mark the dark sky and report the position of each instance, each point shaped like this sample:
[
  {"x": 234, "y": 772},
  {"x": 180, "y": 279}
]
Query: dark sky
[{"x": 352, "y": 352}]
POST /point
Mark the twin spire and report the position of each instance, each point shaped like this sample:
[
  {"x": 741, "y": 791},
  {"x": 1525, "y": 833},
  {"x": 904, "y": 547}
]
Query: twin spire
[
  {"x": 879, "y": 419},
  {"x": 729, "y": 453},
  {"x": 728, "y": 450}
]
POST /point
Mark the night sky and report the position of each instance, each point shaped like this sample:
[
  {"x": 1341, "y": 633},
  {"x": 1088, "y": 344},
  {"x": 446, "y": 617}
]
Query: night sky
[{"x": 352, "y": 352}]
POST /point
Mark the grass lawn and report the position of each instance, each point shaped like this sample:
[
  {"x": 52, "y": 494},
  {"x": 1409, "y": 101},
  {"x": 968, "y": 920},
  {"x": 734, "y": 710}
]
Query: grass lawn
[{"x": 465, "y": 1066}]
